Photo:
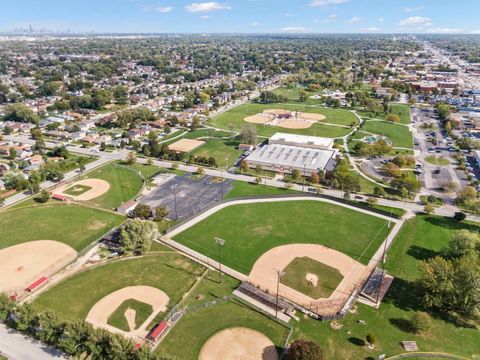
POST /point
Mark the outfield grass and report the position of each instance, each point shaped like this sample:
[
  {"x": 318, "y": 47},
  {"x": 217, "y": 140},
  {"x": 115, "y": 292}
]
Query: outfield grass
[
  {"x": 74, "y": 297},
  {"x": 74, "y": 225},
  {"x": 399, "y": 135},
  {"x": 242, "y": 188},
  {"x": 125, "y": 183},
  {"x": 234, "y": 120},
  {"x": 142, "y": 312},
  {"x": 420, "y": 238},
  {"x": 223, "y": 151},
  {"x": 250, "y": 230},
  {"x": 186, "y": 339},
  {"x": 297, "y": 270},
  {"x": 401, "y": 110}
]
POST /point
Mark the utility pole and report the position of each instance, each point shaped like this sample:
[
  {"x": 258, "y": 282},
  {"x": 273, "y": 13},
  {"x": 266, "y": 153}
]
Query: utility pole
[
  {"x": 280, "y": 274},
  {"x": 303, "y": 186},
  {"x": 174, "y": 188},
  {"x": 220, "y": 242}
]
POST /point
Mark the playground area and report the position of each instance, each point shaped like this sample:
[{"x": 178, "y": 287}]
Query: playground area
[{"x": 286, "y": 119}]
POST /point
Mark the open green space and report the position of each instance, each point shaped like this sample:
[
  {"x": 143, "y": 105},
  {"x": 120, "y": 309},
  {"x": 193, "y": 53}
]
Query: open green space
[
  {"x": 398, "y": 134},
  {"x": 77, "y": 190},
  {"x": 250, "y": 230},
  {"x": 401, "y": 110},
  {"x": 296, "y": 277},
  {"x": 419, "y": 239},
  {"x": 74, "y": 225},
  {"x": 293, "y": 95},
  {"x": 242, "y": 188},
  {"x": 435, "y": 160},
  {"x": 186, "y": 339},
  {"x": 142, "y": 312},
  {"x": 234, "y": 120},
  {"x": 225, "y": 152},
  {"x": 75, "y": 296},
  {"x": 125, "y": 182}
]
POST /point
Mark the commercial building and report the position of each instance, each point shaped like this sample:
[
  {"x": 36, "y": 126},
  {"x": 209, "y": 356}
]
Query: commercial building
[{"x": 287, "y": 152}]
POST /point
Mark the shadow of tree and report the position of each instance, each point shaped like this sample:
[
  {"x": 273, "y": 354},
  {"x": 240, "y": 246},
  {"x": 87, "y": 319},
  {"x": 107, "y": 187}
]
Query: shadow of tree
[
  {"x": 402, "y": 324},
  {"x": 356, "y": 341},
  {"x": 421, "y": 253}
]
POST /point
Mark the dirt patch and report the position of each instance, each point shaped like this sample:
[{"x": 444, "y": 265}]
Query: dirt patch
[
  {"x": 23, "y": 264},
  {"x": 96, "y": 225},
  {"x": 103, "y": 309},
  {"x": 285, "y": 119},
  {"x": 264, "y": 274},
  {"x": 259, "y": 119},
  {"x": 185, "y": 145},
  {"x": 312, "y": 279},
  {"x": 294, "y": 124},
  {"x": 97, "y": 187},
  {"x": 239, "y": 344},
  {"x": 130, "y": 315}
]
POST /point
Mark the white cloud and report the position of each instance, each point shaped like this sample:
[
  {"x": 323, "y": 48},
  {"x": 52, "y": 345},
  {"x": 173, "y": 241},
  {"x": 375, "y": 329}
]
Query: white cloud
[
  {"x": 323, "y": 3},
  {"x": 415, "y": 9},
  {"x": 297, "y": 29},
  {"x": 206, "y": 7},
  {"x": 353, "y": 20},
  {"x": 205, "y": 17},
  {"x": 444, "y": 30},
  {"x": 475, "y": 32},
  {"x": 255, "y": 24},
  {"x": 415, "y": 21},
  {"x": 372, "y": 29},
  {"x": 381, "y": 19},
  {"x": 163, "y": 9},
  {"x": 330, "y": 18}
]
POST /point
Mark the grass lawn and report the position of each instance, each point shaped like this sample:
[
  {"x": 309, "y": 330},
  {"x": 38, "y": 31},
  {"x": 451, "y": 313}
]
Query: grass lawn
[
  {"x": 223, "y": 151},
  {"x": 242, "y": 188},
  {"x": 74, "y": 225},
  {"x": 401, "y": 110},
  {"x": 435, "y": 160},
  {"x": 142, "y": 312},
  {"x": 186, "y": 339},
  {"x": 74, "y": 297},
  {"x": 125, "y": 183},
  {"x": 297, "y": 270},
  {"x": 399, "y": 135},
  {"x": 293, "y": 95},
  {"x": 234, "y": 120},
  {"x": 420, "y": 238},
  {"x": 77, "y": 190},
  {"x": 250, "y": 230}
]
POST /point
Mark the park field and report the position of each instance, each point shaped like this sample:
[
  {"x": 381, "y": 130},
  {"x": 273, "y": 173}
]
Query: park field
[
  {"x": 234, "y": 120},
  {"x": 74, "y": 225},
  {"x": 398, "y": 134},
  {"x": 125, "y": 182},
  {"x": 420, "y": 238},
  {"x": 225, "y": 152},
  {"x": 401, "y": 110},
  {"x": 74, "y": 297},
  {"x": 250, "y": 230},
  {"x": 186, "y": 339}
]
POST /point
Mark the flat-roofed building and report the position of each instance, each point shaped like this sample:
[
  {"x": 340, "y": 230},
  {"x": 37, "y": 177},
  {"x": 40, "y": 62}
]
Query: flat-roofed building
[{"x": 287, "y": 152}]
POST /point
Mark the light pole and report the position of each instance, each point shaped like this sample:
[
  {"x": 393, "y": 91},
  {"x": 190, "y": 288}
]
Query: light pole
[
  {"x": 219, "y": 243},
  {"x": 303, "y": 186},
  {"x": 280, "y": 273},
  {"x": 174, "y": 188}
]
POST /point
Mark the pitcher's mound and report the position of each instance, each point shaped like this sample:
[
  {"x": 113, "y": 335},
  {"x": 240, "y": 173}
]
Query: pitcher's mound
[
  {"x": 239, "y": 344},
  {"x": 312, "y": 279}
]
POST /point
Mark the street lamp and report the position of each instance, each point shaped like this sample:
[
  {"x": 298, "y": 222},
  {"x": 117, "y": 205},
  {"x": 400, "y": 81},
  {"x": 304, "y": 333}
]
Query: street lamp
[
  {"x": 280, "y": 274},
  {"x": 303, "y": 186},
  {"x": 220, "y": 242},
  {"x": 174, "y": 189}
]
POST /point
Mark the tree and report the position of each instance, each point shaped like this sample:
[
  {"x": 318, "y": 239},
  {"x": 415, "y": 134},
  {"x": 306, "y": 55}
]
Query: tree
[
  {"x": 296, "y": 174},
  {"x": 244, "y": 166},
  {"x": 379, "y": 191},
  {"x": 258, "y": 180},
  {"x": 161, "y": 213},
  {"x": 258, "y": 169},
  {"x": 12, "y": 153},
  {"x": 200, "y": 170},
  {"x": 428, "y": 209},
  {"x": 314, "y": 178},
  {"x": 142, "y": 211},
  {"x": 6, "y": 306},
  {"x": 131, "y": 158},
  {"x": 248, "y": 135},
  {"x": 420, "y": 322},
  {"x": 136, "y": 236},
  {"x": 394, "y": 118},
  {"x": 20, "y": 113},
  {"x": 304, "y": 350},
  {"x": 463, "y": 243},
  {"x": 459, "y": 216},
  {"x": 371, "y": 200},
  {"x": 42, "y": 197}
]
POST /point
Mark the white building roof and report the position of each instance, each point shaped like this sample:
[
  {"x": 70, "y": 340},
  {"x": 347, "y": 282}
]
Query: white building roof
[
  {"x": 292, "y": 157},
  {"x": 302, "y": 140}
]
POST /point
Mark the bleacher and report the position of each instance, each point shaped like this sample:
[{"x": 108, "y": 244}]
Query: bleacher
[{"x": 264, "y": 298}]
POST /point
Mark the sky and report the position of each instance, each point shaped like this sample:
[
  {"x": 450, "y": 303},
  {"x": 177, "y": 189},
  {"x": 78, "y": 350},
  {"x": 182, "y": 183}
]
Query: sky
[{"x": 244, "y": 16}]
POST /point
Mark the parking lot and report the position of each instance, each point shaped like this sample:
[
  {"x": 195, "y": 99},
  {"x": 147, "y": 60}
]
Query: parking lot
[{"x": 186, "y": 195}]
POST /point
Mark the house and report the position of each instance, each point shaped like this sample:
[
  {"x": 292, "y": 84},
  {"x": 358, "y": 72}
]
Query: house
[{"x": 36, "y": 159}]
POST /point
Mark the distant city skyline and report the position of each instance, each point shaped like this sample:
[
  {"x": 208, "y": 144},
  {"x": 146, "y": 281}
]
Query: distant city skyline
[{"x": 242, "y": 16}]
